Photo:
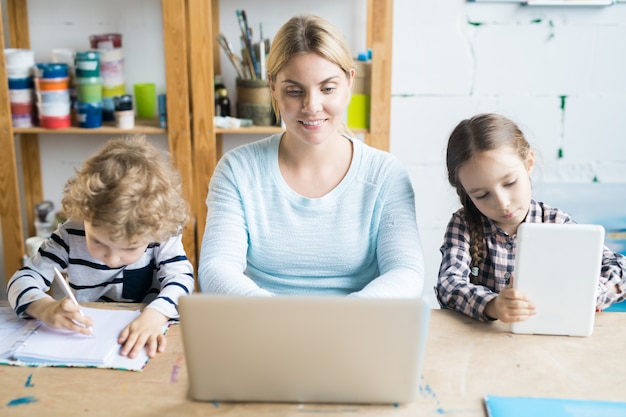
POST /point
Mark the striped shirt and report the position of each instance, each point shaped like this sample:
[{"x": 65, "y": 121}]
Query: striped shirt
[
  {"x": 263, "y": 238},
  {"x": 455, "y": 290},
  {"x": 158, "y": 278}
]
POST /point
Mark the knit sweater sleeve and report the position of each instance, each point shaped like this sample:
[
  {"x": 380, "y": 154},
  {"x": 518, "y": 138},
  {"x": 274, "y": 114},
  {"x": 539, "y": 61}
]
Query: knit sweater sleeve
[
  {"x": 398, "y": 247},
  {"x": 225, "y": 243}
]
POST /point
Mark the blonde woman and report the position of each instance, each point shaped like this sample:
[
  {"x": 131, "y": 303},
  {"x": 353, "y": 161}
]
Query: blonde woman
[{"x": 312, "y": 210}]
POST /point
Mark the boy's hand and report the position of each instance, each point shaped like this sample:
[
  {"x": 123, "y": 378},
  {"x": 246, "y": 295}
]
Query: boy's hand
[
  {"x": 60, "y": 314},
  {"x": 146, "y": 330},
  {"x": 510, "y": 305}
]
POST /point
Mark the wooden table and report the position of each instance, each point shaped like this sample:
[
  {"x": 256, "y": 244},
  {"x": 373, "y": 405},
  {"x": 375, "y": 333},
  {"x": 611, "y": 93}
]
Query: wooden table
[{"x": 465, "y": 360}]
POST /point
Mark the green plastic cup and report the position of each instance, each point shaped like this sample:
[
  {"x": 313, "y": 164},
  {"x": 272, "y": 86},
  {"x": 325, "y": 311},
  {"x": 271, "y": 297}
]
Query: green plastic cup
[{"x": 145, "y": 100}]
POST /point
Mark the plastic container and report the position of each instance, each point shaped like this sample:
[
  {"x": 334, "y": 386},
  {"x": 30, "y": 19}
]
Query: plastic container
[
  {"x": 123, "y": 102},
  {"x": 111, "y": 55},
  {"x": 21, "y": 83},
  {"x": 16, "y": 57},
  {"x": 54, "y": 109},
  {"x": 22, "y": 108},
  {"x": 19, "y": 72},
  {"x": 63, "y": 55},
  {"x": 89, "y": 115},
  {"x": 125, "y": 119},
  {"x": 112, "y": 91},
  {"x": 87, "y": 64},
  {"x": 145, "y": 100},
  {"x": 89, "y": 89},
  {"x": 108, "y": 109},
  {"x": 106, "y": 41},
  {"x": 22, "y": 120},
  {"x": 55, "y": 96},
  {"x": 51, "y": 70},
  {"x": 50, "y": 84},
  {"x": 21, "y": 95},
  {"x": 50, "y": 122}
]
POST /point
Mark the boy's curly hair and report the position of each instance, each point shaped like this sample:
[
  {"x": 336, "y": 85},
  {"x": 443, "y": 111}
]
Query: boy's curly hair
[{"x": 130, "y": 188}]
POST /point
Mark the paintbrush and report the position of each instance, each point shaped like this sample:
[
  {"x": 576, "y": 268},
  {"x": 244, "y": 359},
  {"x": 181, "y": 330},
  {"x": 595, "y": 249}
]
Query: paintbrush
[{"x": 234, "y": 59}]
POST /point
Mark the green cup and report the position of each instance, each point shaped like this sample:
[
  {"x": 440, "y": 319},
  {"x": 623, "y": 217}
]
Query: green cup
[{"x": 145, "y": 100}]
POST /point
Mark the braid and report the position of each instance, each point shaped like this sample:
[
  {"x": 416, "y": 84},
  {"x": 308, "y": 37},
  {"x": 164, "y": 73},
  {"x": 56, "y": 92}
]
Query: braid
[{"x": 476, "y": 233}]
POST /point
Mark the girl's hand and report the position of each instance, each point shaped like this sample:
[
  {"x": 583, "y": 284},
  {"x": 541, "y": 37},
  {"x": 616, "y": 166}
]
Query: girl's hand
[
  {"x": 510, "y": 305},
  {"x": 60, "y": 314},
  {"x": 146, "y": 330}
]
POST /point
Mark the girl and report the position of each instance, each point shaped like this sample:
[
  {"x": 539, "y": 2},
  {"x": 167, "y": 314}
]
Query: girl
[
  {"x": 489, "y": 163},
  {"x": 312, "y": 210}
]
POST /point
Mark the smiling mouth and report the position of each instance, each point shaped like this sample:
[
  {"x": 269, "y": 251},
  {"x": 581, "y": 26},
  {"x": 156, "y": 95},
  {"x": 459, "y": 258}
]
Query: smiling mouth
[{"x": 312, "y": 122}]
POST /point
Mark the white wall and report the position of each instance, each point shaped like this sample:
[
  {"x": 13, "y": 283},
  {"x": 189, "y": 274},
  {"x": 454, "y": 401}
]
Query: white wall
[{"x": 452, "y": 59}]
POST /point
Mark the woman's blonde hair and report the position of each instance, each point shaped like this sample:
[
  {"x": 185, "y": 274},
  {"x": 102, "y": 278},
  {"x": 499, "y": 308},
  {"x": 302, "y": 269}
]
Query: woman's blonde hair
[
  {"x": 130, "y": 188},
  {"x": 305, "y": 34}
]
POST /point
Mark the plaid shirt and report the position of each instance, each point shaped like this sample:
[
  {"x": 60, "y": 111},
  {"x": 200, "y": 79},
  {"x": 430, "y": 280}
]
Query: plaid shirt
[{"x": 455, "y": 290}]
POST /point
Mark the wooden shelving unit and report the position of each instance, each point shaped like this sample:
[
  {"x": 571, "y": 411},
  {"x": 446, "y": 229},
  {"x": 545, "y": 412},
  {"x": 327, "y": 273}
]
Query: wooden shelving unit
[
  {"x": 192, "y": 57},
  {"x": 174, "y": 13},
  {"x": 204, "y": 63}
]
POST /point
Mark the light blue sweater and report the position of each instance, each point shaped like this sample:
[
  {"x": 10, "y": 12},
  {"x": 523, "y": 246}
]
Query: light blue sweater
[{"x": 262, "y": 238}]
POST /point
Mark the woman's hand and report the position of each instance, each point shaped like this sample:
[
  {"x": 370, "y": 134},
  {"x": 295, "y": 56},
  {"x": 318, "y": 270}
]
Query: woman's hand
[{"x": 146, "y": 330}]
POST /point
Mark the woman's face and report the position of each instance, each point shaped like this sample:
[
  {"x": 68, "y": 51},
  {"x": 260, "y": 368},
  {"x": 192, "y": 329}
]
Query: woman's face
[{"x": 312, "y": 94}]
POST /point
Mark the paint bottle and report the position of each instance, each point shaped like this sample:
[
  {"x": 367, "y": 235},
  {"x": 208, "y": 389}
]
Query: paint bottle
[
  {"x": 124, "y": 113},
  {"x": 222, "y": 102},
  {"x": 162, "y": 104},
  {"x": 358, "y": 114}
]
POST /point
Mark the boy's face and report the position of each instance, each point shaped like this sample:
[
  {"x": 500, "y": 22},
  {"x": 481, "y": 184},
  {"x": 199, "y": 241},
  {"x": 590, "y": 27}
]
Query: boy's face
[{"x": 114, "y": 254}]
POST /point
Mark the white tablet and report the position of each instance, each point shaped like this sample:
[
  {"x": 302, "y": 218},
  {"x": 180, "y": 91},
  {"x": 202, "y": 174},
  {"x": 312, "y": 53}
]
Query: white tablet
[{"x": 558, "y": 267}]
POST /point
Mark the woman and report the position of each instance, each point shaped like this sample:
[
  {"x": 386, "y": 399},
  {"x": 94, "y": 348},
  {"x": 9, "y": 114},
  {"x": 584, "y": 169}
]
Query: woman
[{"x": 311, "y": 211}]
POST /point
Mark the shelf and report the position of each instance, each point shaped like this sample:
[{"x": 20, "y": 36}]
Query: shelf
[
  {"x": 204, "y": 62},
  {"x": 175, "y": 37},
  {"x": 144, "y": 126},
  {"x": 192, "y": 57},
  {"x": 252, "y": 130},
  {"x": 263, "y": 130}
]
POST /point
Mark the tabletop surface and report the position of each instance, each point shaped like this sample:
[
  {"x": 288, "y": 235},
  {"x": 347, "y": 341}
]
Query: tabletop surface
[{"x": 464, "y": 361}]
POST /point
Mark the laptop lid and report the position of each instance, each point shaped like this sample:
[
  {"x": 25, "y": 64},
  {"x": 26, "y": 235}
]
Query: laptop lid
[
  {"x": 558, "y": 267},
  {"x": 303, "y": 349}
]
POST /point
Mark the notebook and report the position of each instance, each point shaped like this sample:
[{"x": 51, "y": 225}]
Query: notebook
[
  {"x": 500, "y": 406},
  {"x": 30, "y": 342},
  {"x": 558, "y": 267},
  {"x": 303, "y": 349}
]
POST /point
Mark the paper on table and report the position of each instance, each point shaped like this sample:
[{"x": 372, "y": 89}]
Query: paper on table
[
  {"x": 13, "y": 330},
  {"x": 55, "y": 345}
]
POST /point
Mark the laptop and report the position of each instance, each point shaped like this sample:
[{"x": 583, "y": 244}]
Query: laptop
[
  {"x": 558, "y": 267},
  {"x": 303, "y": 349}
]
